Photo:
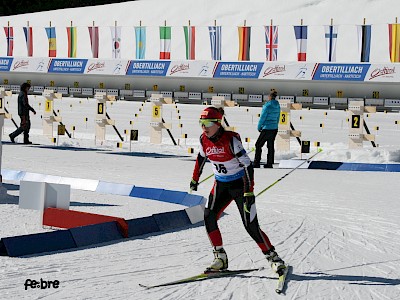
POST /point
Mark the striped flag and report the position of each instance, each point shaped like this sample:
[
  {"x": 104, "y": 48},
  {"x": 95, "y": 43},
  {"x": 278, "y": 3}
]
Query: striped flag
[
  {"x": 301, "y": 39},
  {"x": 215, "y": 41},
  {"x": 271, "y": 43},
  {"x": 140, "y": 33},
  {"x": 94, "y": 40},
  {"x": 29, "y": 40},
  {"x": 71, "y": 32},
  {"x": 116, "y": 41},
  {"x": 10, "y": 40},
  {"x": 190, "y": 41},
  {"x": 364, "y": 42},
  {"x": 51, "y": 35},
  {"x": 244, "y": 42},
  {"x": 394, "y": 42},
  {"x": 165, "y": 42},
  {"x": 331, "y": 33}
]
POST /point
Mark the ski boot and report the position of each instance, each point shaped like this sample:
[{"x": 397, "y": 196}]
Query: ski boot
[
  {"x": 277, "y": 264},
  {"x": 220, "y": 262}
]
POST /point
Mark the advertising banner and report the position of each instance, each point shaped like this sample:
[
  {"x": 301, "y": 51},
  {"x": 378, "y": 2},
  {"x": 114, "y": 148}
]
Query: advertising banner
[
  {"x": 238, "y": 70},
  {"x": 342, "y": 72},
  {"x": 30, "y": 64},
  {"x": 203, "y": 69},
  {"x": 383, "y": 73},
  {"x": 287, "y": 71},
  {"x": 106, "y": 67},
  {"x": 67, "y": 65},
  {"x": 5, "y": 64},
  {"x": 148, "y": 67}
]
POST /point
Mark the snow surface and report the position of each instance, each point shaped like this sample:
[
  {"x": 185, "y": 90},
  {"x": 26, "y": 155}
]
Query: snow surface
[{"x": 339, "y": 230}]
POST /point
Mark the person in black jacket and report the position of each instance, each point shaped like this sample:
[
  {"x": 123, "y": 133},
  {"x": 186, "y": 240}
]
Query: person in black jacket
[{"x": 23, "y": 112}]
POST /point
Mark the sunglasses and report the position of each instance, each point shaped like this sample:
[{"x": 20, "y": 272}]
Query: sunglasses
[{"x": 208, "y": 122}]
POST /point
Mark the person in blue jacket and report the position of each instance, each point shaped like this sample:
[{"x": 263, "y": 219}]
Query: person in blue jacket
[{"x": 268, "y": 128}]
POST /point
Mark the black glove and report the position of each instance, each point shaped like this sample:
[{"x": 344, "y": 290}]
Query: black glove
[
  {"x": 249, "y": 200},
  {"x": 193, "y": 185}
]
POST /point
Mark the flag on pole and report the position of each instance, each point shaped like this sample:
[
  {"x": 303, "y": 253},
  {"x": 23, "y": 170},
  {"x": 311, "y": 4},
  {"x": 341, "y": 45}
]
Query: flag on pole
[
  {"x": 10, "y": 40},
  {"x": 71, "y": 32},
  {"x": 331, "y": 33},
  {"x": 140, "y": 33},
  {"x": 29, "y": 40},
  {"x": 94, "y": 40},
  {"x": 301, "y": 39},
  {"x": 394, "y": 42},
  {"x": 244, "y": 42},
  {"x": 116, "y": 41},
  {"x": 190, "y": 40},
  {"x": 271, "y": 43},
  {"x": 165, "y": 42},
  {"x": 364, "y": 42},
  {"x": 215, "y": 41},
  {"x": 51, "y": 35}
]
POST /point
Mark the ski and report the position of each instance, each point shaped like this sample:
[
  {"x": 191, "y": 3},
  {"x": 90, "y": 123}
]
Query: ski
[
  {"x": 282, "y": 280},
  {"x": 203, "y": 276}
]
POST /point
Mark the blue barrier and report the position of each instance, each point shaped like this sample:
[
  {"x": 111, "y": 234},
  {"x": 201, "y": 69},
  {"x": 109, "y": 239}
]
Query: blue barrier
[
  {"x": 142, "y": 226},
  {"x": 192, "y": 200},
  {"x": 37, "y": 243},
  {"x": 96, "y": 234},
  {"x": 146, "y": 193},
  {"x": 172, "y": 220},
  {"x": 172, "y": 196}
]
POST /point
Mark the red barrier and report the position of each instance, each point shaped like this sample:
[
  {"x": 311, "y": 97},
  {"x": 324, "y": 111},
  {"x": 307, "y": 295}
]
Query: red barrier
[{"x": 63, "y": 218}]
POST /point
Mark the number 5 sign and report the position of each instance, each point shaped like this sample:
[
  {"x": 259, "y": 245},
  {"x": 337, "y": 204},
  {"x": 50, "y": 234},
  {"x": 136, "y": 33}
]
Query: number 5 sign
[{"x": 156, "y": 112}]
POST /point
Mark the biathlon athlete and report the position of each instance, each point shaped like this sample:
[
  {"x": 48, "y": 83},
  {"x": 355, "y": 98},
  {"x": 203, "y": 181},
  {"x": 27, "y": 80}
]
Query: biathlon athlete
[{"x": 234, "y": 180}]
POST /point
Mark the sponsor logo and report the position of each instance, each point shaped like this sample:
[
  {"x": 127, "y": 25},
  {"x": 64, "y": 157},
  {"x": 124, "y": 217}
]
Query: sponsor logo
[
  {"x": 42, "y": 284},
  {"x": 274, "y": 70},
  {"x": 20, "y": 64},
  {"x": 215, "y": 150},
  {"x": 382, "y": 72},
  {"x": 179, "y": 68},
  {"x": 96, "y": 66}
]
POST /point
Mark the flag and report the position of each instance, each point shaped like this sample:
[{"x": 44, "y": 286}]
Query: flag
[
  {"x": 394, "y": 42},
  {"x": 244, "y": 42},
  {"x": 29, "y": 40},
  {"x": 116, "y": 41},
  {"x": 364, "y": 42},
  {"x": 10, "y": 40},
  {"x": 190, "y": 40},
  {"x": 271, "y": 43},
  {"x": 165, "y": 42},
  {"x": 301, "y": 39},
  {"x": 51, "y": 35},
  {"x": 94, "y": 40},
  {"x": 215, "y": 41},
  {"x": 71, "y": 32},
  {"x": 140, "y": 33},
  {"x": 331, "y": 33}
]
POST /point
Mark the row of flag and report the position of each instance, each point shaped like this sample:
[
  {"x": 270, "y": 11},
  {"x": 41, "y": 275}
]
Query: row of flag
[{"x": 215, "y": 34}]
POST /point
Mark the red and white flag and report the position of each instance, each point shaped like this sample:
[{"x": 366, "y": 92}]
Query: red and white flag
[
  {"x": 94, "y": 40},
  {"x": 10, "y": 40},
  {"x": 301, "y": 39},
  {"x": 29, "y": 40}
]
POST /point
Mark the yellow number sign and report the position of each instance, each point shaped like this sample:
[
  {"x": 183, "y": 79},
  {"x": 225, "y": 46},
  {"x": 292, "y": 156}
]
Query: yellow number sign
[
  {"x": 355, "y": 121},
  {"x": 181, "y": 88},
  {"x": 100, "y": 108},
  {"x": 101, "y": 85},
  {"x": 5, "y": 81},
  {"x": 339, "y": 94},
  {"x": 375, "y": 94},
  {"x": 156, "y": 111},
  {"x": 76, "y": 84},
  {"x": 283, "y": 118},
  {"x": 52, "y": 83},
  {"x": 211, "y": 89},
  {"x": 127, "y": 86},
  {"x": 305, "y": 93},
  {"x": 48, "y": 106}
]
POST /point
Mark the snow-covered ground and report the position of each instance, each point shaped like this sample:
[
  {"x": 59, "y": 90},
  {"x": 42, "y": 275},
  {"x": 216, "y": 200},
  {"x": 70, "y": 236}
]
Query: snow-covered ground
[{"x": 339, "y": 230}]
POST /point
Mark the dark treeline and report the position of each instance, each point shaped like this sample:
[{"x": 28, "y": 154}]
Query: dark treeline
[{"x": 17, "y": 7}]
